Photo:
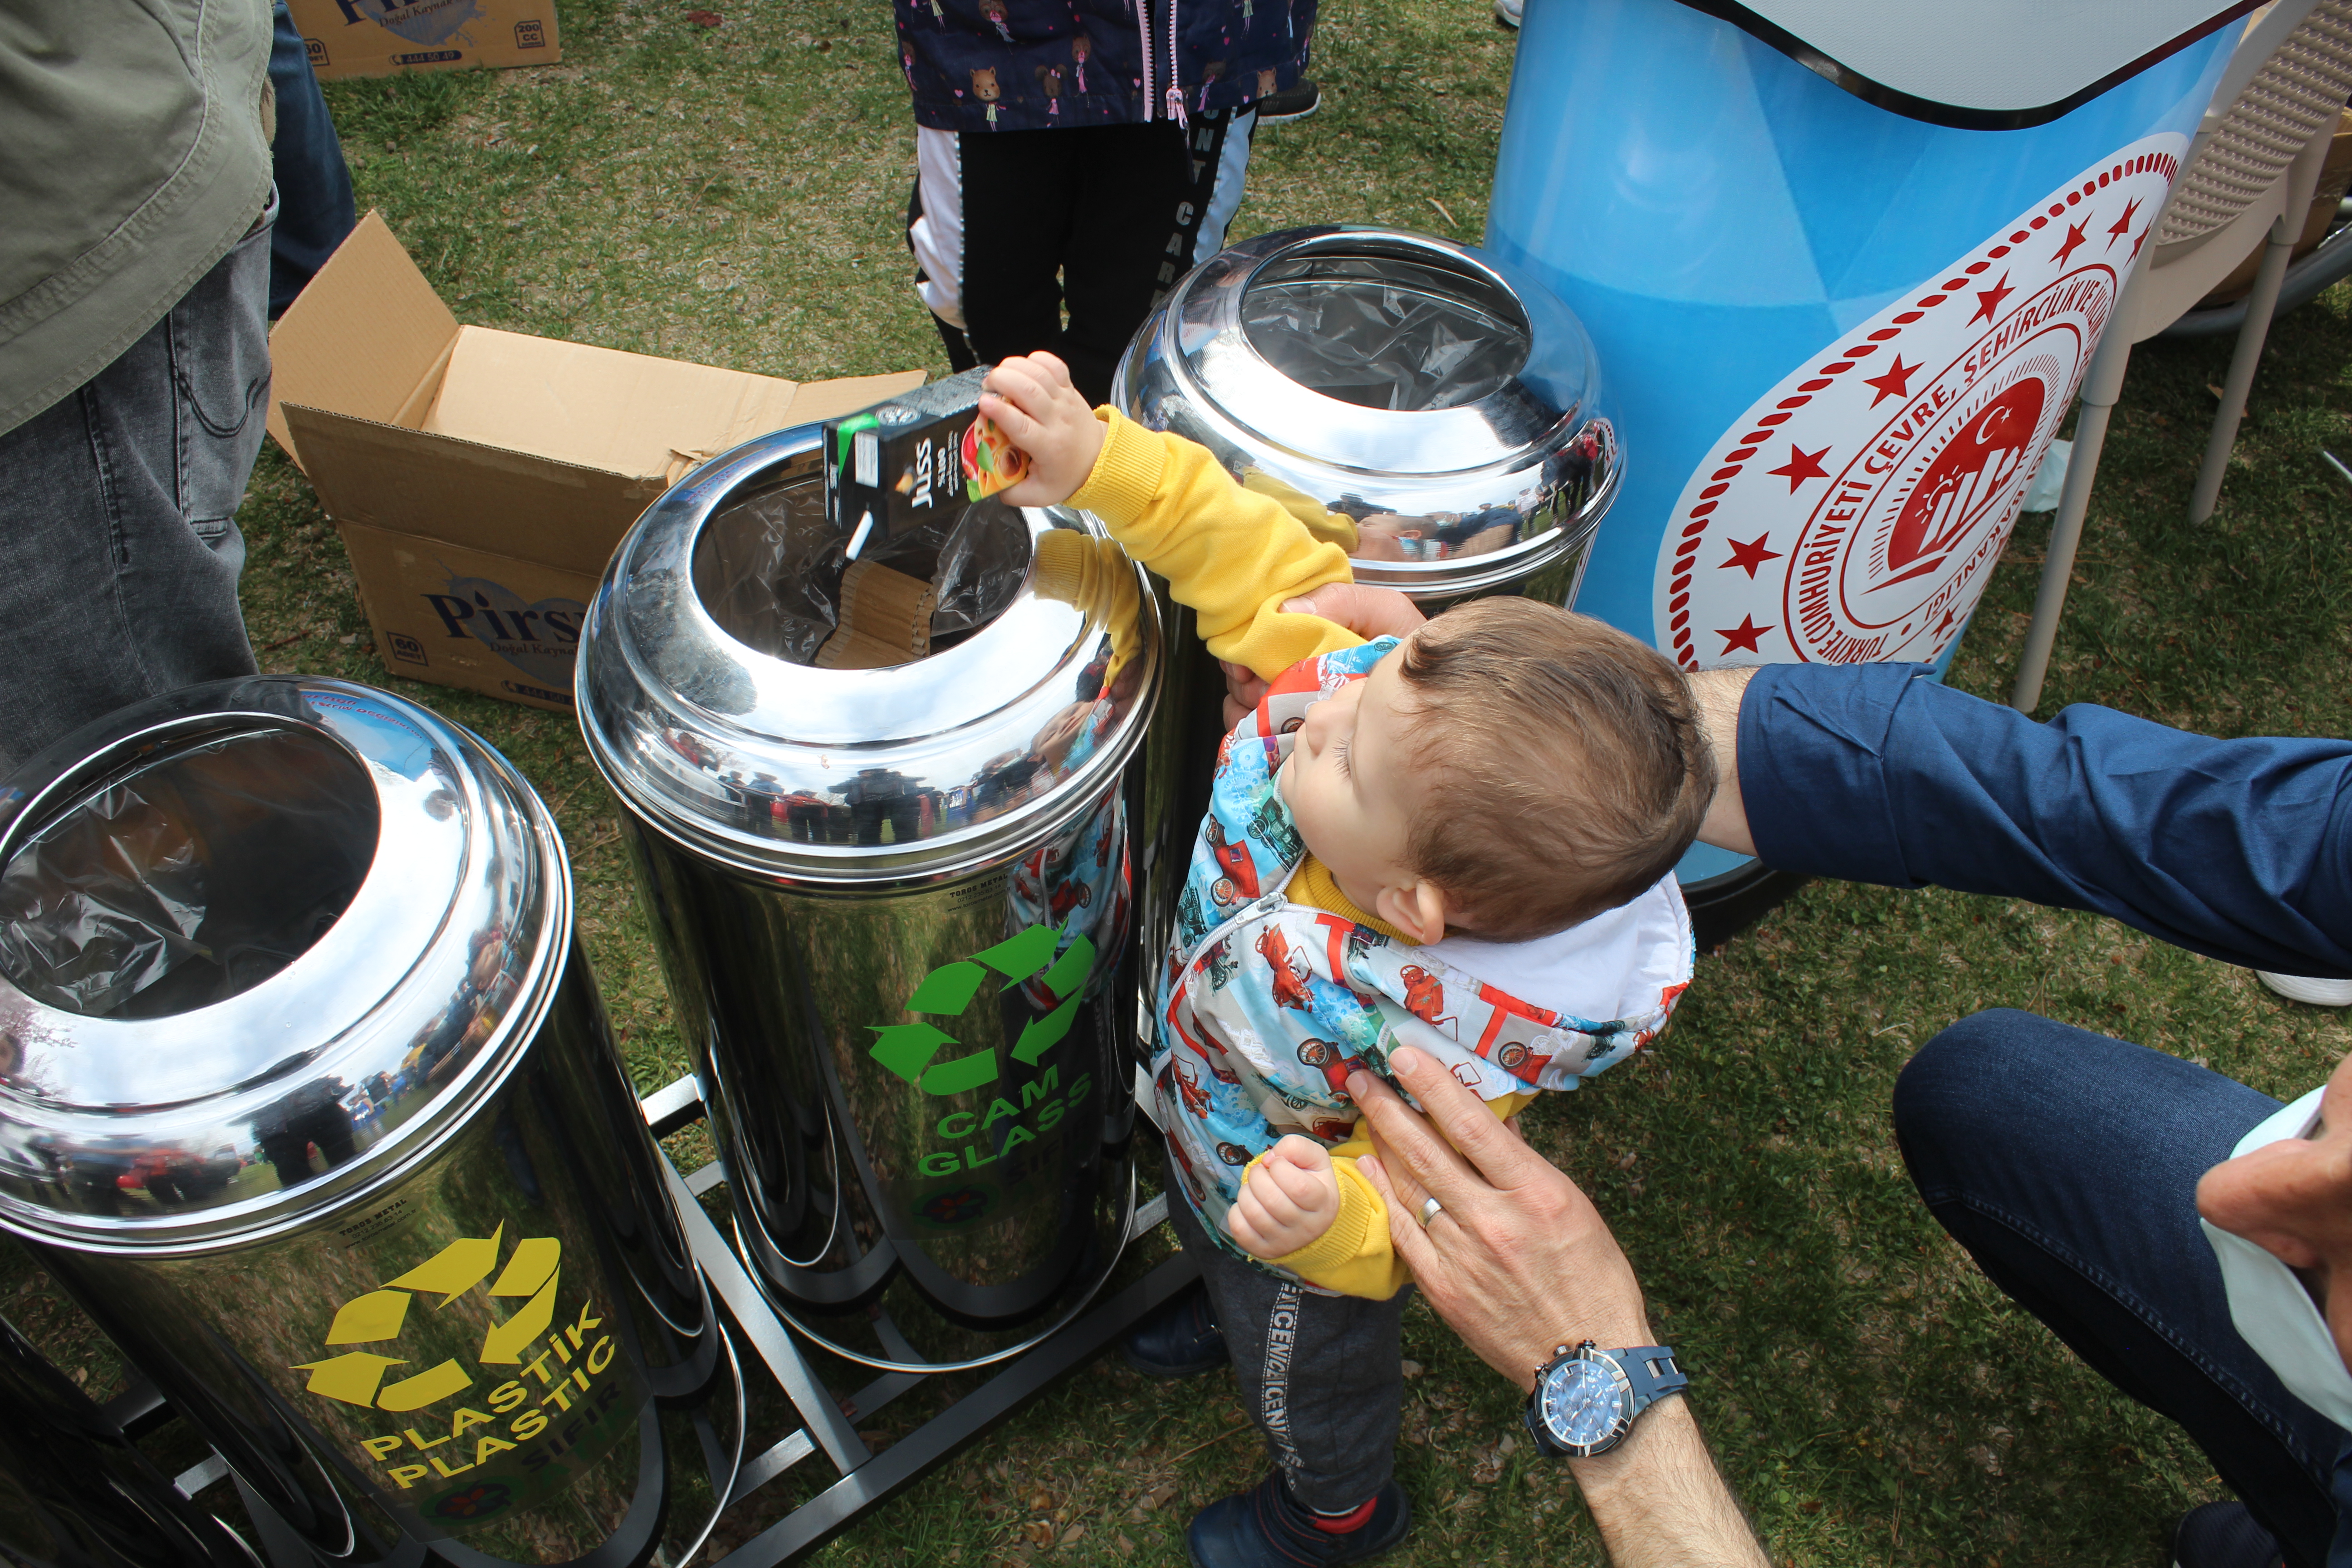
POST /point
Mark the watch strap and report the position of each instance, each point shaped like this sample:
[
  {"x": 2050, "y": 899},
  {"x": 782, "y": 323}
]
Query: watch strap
[{"x": 1652, "y": 1373}]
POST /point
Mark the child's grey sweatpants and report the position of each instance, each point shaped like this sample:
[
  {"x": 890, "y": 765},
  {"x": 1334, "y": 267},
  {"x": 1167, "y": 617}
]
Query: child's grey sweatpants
[{"x": 1322, "y": 1376}]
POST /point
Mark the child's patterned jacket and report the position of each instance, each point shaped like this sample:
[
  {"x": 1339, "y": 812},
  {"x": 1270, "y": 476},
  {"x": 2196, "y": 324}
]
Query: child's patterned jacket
[
  {"x": 1267, "y": 1005},
  {"x": 1276, "y": 988}
]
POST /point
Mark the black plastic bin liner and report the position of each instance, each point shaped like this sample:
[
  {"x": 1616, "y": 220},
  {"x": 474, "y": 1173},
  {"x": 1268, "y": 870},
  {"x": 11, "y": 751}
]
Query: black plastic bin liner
[
  {"x": 190, "y": 878},
  {"x": 768, "y": 568}
]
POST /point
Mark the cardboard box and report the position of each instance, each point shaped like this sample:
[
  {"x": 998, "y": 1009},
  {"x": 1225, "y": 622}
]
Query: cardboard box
[
  {"x": 381, "y": 38},
  {"x": 480, "y": 478}
]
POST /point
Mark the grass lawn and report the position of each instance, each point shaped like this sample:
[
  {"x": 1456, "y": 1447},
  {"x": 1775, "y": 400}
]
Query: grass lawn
[{"x": 736, "y": 195}]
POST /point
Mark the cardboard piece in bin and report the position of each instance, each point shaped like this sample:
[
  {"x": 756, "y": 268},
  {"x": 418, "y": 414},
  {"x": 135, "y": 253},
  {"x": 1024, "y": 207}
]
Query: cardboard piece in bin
[
  {"x": 382, "y": 38},
  {"x": 480, "y": 479}
]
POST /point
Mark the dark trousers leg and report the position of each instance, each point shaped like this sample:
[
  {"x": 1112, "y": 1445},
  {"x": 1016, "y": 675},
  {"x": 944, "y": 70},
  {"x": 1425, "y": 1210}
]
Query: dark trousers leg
[
  {"x": 1123, "y": 255},
  {"x": 1019, "y": 191},
  {"x": 1323, "y": 1376},
  {"x": 2067, "y": 1163},
  {"x": 119, "y": 503},
  {"x": 1101, "y": 219},
  {"x": 315, "y": 208}
]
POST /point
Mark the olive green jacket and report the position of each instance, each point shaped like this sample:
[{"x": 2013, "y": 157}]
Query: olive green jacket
[{"x": 134, "y": 156}]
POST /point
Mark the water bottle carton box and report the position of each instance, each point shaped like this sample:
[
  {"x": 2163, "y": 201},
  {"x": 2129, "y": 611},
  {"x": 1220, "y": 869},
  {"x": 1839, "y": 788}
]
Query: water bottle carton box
[
  {"x": 480, "y": 479},
  {"x": 387, "y": 37}
]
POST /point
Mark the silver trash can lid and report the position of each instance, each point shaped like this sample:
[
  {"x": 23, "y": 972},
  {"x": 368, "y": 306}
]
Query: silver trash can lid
[
  {"x": 263, "y": 944},
  {"x": 707, "y": 700},
  {"x": 1446, "y": 402}
]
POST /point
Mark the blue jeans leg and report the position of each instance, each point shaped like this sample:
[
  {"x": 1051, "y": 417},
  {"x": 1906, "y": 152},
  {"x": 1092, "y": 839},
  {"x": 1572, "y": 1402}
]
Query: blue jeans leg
[
  {"x": 119, "y": 505},
  {"x": 2067, "y": 1163},
  {"x": 316, "y": 210}
]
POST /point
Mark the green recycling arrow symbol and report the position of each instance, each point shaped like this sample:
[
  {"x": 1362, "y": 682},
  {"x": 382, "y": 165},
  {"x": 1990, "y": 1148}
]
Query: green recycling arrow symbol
[{"x": 908, "y": 1049}]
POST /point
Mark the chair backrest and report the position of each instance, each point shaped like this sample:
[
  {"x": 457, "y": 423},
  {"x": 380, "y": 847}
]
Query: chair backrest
[{"x": 2290, "y": 94}]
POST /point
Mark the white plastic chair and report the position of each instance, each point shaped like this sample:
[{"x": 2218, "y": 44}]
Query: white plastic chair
[{"x": 2248, "y": 181}]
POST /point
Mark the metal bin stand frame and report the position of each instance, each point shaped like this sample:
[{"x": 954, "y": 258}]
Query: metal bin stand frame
[{"x": 827, "y": 1418}]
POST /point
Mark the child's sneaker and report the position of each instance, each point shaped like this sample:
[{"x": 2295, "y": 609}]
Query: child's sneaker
[
  {"x": 1268, "y": 1527},
  {"x": 1183, "y": 1340}
]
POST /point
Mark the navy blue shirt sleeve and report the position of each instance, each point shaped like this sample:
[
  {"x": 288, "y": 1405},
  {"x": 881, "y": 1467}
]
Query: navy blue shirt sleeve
[{"x": 2240, "y": 849}]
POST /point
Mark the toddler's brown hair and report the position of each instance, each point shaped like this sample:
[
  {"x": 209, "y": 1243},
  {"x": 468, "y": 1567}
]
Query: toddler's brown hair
[{"x": 1564, "y": 768}]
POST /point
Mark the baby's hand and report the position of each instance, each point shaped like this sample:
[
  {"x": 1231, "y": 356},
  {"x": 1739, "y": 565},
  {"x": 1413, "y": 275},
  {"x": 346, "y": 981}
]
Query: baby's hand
[
  {"x": 1032, "y": 402},
  {"x": 1289, "y": 1200}
]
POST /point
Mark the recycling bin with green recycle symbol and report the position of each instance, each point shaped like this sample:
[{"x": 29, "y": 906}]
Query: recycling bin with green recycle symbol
[
  {"x": 889, "y": 857},
  {"x": 306, "y": 1093}
]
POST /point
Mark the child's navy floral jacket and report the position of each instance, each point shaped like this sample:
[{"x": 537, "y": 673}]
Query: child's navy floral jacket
[{"x": 1036, "y": 65}]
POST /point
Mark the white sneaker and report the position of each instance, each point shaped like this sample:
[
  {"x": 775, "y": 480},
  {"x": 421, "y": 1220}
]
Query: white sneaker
[
  {"x": 1506, "y": 12},
  {"x": 2303, "y": 987}
]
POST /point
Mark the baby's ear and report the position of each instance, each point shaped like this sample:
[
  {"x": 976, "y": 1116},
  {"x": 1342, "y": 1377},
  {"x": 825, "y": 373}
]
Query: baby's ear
[{"x": 1418, "y": 909}]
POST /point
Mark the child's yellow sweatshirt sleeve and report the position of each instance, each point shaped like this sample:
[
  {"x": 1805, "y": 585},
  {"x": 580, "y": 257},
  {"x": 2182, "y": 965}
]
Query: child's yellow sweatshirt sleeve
[
  {"x": 1356, "y": 1255},
  {"x": 1233, "y": 554}
]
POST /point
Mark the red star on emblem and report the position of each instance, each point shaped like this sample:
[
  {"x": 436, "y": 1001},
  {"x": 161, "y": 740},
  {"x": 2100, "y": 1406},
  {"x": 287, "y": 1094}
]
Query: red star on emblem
[
  {"x": 2138, "y": 243},
  {"x": 1893, "y": 382},
  {"x": 2076, "y": 236},
  {"x": 1801, "y": 466},
  {"x": 1743, "y": 637},
  {"x": 2122, "y": 224},
  {"x": 1750, "y": 554},
  {"x": 1989, "y": 299}
]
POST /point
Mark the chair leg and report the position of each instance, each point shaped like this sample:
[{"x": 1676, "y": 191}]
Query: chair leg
[
  {"x": 2243, "y": 361},
  {"x": 2101, "y": 385},
  {"x": 2058, "y": 566}
]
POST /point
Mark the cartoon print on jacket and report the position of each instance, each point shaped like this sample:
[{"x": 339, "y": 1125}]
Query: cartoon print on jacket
[
  {"x": 1209, "y": 75},
  {"x": 984, "y": 88},
  {"x": 1266, "y": 1007},
  {"x": 1079, "y": 883},
  {"x": 1239, "y": 884}
]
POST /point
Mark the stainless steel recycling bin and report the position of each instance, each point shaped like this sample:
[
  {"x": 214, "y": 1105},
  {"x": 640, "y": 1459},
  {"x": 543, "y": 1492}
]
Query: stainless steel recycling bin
[
  {"x": 1445, "y": 404},
  {"x": 893, "y": 903},
  {"x": 306, "y": 1094},
  {"x": 1441, "y": 411}
]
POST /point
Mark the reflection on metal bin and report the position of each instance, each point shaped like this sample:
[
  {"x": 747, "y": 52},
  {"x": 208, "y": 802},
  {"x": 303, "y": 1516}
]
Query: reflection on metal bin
[
  {"x": 306, "y": 1094},
  {"x": 892, "y": 901},
  {"x": 1444, "y": 409},
  {"x": 1436, "y": 412}
]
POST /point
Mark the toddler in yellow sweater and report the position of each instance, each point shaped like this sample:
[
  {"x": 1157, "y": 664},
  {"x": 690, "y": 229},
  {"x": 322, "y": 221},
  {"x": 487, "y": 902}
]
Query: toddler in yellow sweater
[{"x": 1462, "y": 841}]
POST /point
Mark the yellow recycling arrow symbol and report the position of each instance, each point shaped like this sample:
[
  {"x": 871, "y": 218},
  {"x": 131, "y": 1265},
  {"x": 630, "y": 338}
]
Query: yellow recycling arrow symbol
[{"x": 356, "y": 1377}]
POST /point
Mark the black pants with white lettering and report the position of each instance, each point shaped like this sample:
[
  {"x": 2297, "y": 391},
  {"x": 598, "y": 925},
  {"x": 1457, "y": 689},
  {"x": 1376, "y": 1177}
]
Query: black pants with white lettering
[
  {"x": 1322, "y": 1376},
  {"x": 1011, "y": 227}
]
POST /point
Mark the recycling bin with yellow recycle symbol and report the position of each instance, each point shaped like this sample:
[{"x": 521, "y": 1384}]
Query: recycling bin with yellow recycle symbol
[{"x": 306, "y": 1094}]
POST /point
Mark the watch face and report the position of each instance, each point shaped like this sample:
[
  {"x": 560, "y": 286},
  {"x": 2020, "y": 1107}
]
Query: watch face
[{"x": 1584, "y": 1404}]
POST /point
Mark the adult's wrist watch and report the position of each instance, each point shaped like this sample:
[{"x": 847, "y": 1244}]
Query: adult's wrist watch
[{"x": 1586, "y": 1398}]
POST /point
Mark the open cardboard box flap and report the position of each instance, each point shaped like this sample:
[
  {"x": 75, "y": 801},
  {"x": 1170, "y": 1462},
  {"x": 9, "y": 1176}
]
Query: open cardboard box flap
[
  {"x": 482, "y": 478},
  {"x": 531, "y": 448}
]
